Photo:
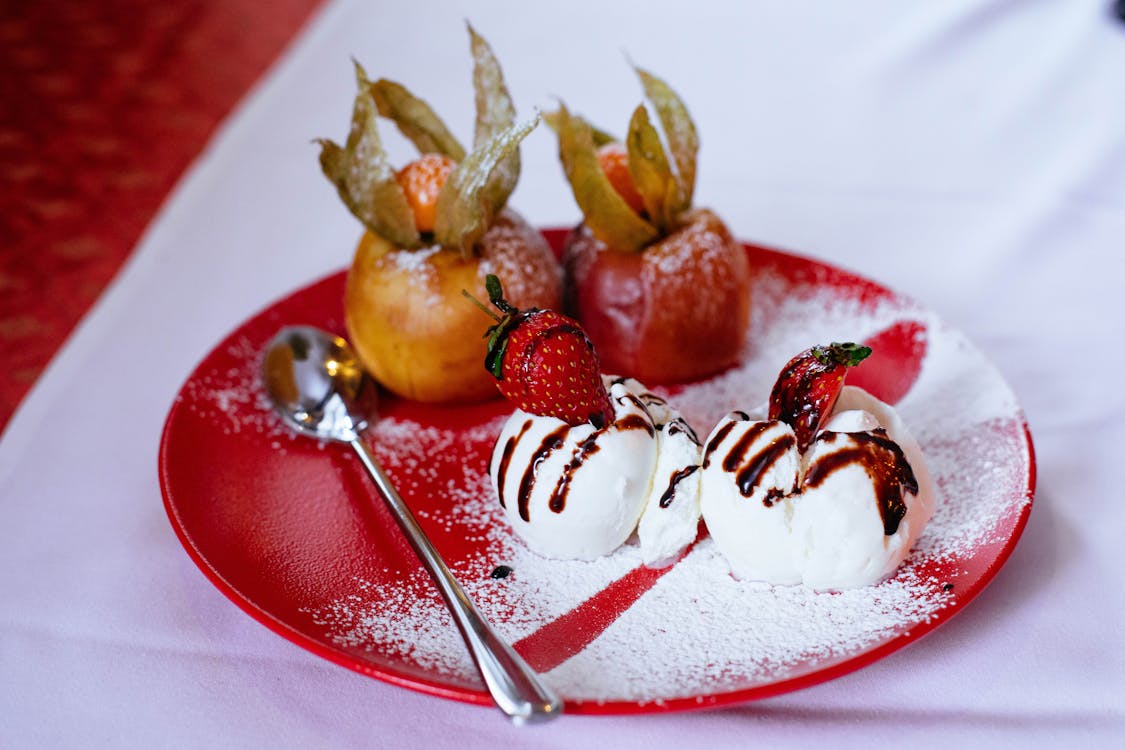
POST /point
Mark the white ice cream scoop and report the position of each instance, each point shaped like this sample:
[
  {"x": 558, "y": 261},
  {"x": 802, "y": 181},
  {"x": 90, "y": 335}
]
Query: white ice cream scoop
[
  {"x": 580, "y": 491},
  {"x": 843, "y": 515}
]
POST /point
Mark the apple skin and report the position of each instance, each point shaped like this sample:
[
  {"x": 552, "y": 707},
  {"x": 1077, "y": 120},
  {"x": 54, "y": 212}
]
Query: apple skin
[
  {"x": 674, "y": 312},
  {"x": 413, "y": 329}
]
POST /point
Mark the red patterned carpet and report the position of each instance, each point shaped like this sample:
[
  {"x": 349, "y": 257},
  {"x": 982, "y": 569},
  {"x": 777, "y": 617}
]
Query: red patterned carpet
[{"x": 104, "y": 104}]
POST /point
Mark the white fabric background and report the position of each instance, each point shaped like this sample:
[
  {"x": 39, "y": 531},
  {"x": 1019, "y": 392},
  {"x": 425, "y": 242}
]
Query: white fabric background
[{"x": 969, "y": 153}]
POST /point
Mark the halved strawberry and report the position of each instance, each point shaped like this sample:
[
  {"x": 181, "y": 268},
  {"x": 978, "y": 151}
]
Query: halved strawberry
[
  {"x": 544, "y": 362},
  {"x": 808, "y": 386}
]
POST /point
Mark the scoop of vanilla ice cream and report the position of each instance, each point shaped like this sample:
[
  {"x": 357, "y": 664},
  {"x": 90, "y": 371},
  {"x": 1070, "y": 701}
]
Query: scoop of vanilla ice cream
[
  {"x": 830, "y": 519},
  {"x": 750, "y": 471},
  {"x": 670, "y": 521},
  {"x": 849, "y": 568},
  {"x": 579, "y": 492}
]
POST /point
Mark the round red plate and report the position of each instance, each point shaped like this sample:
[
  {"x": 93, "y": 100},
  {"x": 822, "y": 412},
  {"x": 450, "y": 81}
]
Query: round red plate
[{"x": 294, "y": 534}]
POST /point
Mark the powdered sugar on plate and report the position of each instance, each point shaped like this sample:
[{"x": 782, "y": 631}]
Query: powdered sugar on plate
[
  {"x": 698, "y": 631},
  {"x": 609, "y": 631}
]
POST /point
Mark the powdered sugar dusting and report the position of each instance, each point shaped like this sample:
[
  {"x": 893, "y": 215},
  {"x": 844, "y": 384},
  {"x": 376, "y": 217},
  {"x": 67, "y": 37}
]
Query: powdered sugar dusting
[
  {"x": 701, "y": 632},
  {"x": 697, "y": 632},
  {"x": 393, "y": 628},
  {"x": 234, "y": 398}
]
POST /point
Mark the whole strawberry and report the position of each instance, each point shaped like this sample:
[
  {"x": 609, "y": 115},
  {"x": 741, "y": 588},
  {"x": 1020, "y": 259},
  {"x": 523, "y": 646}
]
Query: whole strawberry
[
  {"x": 544, "y": 363},
  {"x": 808, "y": 386}
]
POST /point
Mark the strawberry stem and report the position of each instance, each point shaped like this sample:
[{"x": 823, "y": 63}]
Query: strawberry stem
[
  {"x": 497, "y": 334},
  {"x": 479, "y": 304}
]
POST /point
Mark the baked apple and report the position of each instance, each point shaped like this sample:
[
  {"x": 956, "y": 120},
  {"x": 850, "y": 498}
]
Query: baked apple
[
  {"x": 661, "y": 288},
  {"x": 432, "y": 229}
]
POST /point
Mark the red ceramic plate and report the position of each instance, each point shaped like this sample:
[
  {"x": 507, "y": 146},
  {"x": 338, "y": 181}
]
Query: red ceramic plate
[{"x": 292, "y": 531}]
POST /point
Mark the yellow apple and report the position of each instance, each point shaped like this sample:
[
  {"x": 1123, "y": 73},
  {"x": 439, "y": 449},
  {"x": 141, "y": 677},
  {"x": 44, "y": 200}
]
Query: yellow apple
[{"x": 412, "y": 327}]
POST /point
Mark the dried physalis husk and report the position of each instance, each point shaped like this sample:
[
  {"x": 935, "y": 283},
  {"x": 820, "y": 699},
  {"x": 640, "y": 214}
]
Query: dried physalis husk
[
  {"x": 467, "y": 203},
  {"x": 600, "y": 137},
  {"x": 607, "y": 214},
  {"x": 679, "y": 131},
  {"x": 495, "y": 113},
  {"x": 363, "y": 176},
  {"x": 475, "y": 191},
  {"x": 650, "y": 170},
  {"x": 416, "y": 120}
]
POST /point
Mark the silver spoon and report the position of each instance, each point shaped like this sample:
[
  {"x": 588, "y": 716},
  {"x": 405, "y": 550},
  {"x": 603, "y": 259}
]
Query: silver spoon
[{"x": 318, "y": 387}]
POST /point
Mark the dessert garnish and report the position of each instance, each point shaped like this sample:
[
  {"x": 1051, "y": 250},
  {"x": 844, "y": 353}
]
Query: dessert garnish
[
  {"x": 808, "y": 386},
  {"x": 434, "y": 227},
  {"x": 544, "y": 363},
  {"x": 586, "y": 458},
  {"x": 631, "y": 193},
  {"x": 465, "y": 197},
  {"x": 830, "y": 491},
  {"x": 662, "y": 288}
]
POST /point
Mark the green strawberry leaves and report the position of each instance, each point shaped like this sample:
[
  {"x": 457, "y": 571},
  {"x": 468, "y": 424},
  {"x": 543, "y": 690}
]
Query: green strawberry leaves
[
  {"x": 848, "y": 354},
  {"x": 498, "y": 333},
  {"x": 496, "y": 293}
]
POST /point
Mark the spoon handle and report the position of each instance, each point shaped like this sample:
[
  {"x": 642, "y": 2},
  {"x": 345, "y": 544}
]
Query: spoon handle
[{"x": 516, "y": 688}]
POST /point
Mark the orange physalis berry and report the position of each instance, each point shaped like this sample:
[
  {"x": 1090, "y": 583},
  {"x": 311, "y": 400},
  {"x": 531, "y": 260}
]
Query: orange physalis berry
[
  {"x": 422, "y": 180},
  {"x": 613, "y": 158}
]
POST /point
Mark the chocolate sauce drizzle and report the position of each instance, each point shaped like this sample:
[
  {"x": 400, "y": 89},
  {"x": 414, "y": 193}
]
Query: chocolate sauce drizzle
[
  {"x": 748, "y": 472},
  {"x": 751, "y": 473},
  {"x": 629, "y": 397},
  {"x": 677, "y": 477},
  {"x": 635, "y": 422},
  {"x": 720, "y": 436},
  {"x": 586, "y": 448},
  {"x": 737, "y": 452},
  {"x": 884, "y": 462},
  {"x": 551, "y": 442},
  {"x": 879, "y": 456},
  {"x": 506, "y": 458},
  {"x": 678, "y": 425}
]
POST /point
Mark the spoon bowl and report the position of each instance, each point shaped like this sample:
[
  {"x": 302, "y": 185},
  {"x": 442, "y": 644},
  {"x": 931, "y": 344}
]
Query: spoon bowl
[{"x": 318, "y": 386}]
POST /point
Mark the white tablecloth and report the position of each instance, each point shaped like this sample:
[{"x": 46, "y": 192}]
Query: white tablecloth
[{"x": 969, "y": 153}]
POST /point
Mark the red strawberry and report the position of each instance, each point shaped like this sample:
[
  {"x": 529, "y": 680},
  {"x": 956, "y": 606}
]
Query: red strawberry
[
  {"x": 807, "y": 388},
  {"x": 544, "y": 363}
]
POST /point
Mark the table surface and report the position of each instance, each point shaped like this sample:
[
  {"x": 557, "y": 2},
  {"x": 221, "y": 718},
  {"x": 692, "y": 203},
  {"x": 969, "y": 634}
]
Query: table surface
[
  {"x": 968, "y": 154},
  {"x": 112, "y": 102}
]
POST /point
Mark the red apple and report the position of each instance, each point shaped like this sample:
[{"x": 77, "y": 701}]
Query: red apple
[{"x": 678, "y": 310}]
